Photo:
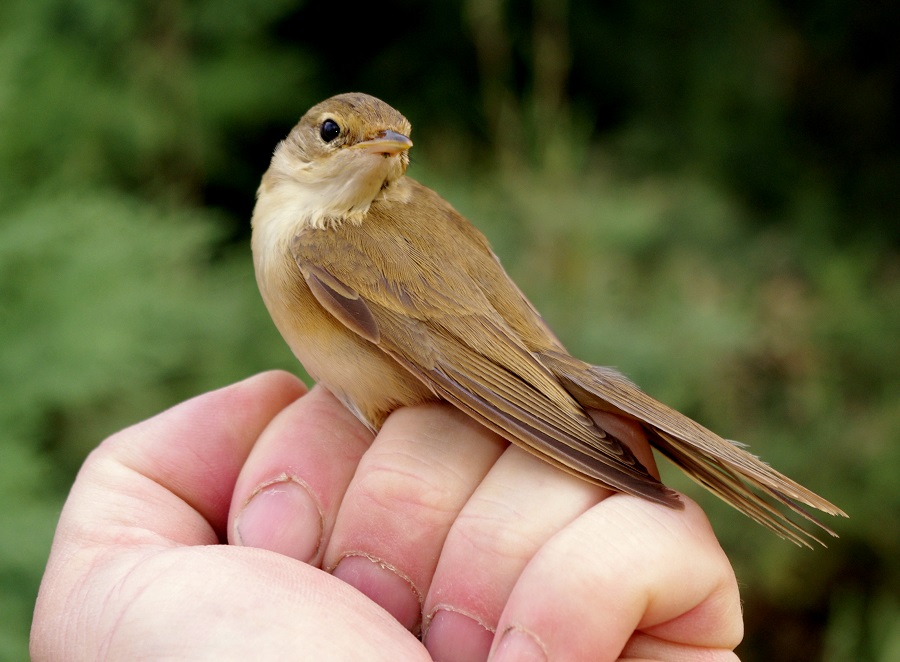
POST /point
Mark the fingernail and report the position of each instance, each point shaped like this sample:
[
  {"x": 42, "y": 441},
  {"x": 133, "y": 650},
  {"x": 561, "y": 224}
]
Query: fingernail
[
  {"x": 384, "y": 585},
  {"x": 519, "y": 645},
  {"x": 453, "y": 636},
  {"x": 282, "y": 516}
]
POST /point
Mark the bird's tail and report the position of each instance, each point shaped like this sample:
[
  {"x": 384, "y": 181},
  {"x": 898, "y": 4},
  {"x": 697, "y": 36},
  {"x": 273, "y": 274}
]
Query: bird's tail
[{"x": 722, "y": 466}]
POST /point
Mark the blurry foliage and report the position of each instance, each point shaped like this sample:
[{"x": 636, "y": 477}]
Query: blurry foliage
[{"x": 703, "y": 194}]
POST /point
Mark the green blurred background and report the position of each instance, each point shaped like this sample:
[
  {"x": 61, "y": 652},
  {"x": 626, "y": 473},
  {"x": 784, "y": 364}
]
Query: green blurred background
[{"x": 705, "y": 194}]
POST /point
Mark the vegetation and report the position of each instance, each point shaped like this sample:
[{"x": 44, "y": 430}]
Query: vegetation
[{"x": 703, "y": 194}]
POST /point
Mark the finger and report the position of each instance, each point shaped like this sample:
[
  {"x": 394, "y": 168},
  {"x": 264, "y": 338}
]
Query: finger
[
  {"x": 625, "y": 566},
  {"x": 287, "y": 496},
  {"x": 520, "y": 505},
  {"x": 409, "y": 487},
  {"x": 185, "y": 461},
  {"x": 517, "y": 508}
]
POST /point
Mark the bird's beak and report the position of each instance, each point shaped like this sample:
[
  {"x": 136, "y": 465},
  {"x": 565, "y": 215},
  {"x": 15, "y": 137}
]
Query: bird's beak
[{"x": 389, "y": 143}]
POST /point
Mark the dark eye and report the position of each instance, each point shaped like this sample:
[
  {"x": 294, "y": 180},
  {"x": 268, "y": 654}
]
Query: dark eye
[{"x": 329, "y": 130}]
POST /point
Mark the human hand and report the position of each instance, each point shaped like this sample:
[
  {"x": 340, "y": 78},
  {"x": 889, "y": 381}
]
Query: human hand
[{"x": 436, "y": 516}]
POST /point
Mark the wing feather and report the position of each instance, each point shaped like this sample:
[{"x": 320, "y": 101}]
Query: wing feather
[{"x": 455, "y": 341}]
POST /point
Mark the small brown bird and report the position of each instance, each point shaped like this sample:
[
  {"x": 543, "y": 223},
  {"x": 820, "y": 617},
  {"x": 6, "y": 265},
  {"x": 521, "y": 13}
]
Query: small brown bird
[{"x": 389, "y": 297}]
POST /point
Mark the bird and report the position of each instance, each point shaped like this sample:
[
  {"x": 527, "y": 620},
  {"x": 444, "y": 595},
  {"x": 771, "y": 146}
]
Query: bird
[{"x": 389, "y": 297}]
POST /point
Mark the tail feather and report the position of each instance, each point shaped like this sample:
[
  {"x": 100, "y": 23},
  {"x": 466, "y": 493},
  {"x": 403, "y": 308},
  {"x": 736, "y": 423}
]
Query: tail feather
[
  {"x": 728, "y": 486},
  {"x": 724, "y": 467}
]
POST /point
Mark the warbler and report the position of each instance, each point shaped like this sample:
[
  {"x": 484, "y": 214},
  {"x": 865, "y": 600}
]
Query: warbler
[{"x": 389, "y": 298}]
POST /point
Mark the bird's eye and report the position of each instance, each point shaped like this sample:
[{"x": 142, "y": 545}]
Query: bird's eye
[{"x": 329, "y": 130}]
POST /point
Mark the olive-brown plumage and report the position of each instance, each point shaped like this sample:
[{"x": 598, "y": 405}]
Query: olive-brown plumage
[{"x": 389, "y": 298}]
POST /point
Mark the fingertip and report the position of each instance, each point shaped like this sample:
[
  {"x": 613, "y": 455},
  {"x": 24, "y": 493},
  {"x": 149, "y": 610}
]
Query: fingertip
[
  {"x": 385, "y": 585},
  {"x": 518, "y": 645},
  {"x": 280, "y": 382},
  {"x": 293, "y": 480},
  {"x": 282, "y": 516},
  {"x": 453, "y": 635},
  {"x": 643, "y": 567}
]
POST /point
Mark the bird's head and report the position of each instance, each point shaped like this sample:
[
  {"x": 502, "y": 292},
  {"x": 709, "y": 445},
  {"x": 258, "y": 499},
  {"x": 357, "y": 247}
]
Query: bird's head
[{"x": 343, "y": 154}]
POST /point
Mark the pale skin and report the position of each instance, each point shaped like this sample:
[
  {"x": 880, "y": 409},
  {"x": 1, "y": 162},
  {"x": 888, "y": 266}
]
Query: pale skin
[{"x": 480, "y": 544}]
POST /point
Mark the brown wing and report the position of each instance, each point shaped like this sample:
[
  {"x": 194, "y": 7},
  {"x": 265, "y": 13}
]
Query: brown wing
[{"x": 430, "y": 311}]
